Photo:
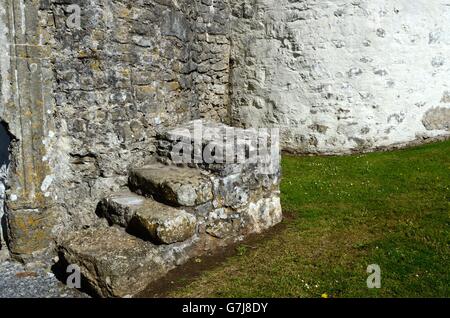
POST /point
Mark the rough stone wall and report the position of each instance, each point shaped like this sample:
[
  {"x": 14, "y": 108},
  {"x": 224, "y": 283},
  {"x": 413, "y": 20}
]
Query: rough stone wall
[
  {"x": 118, "y": 77},
  {"x": 83, "y": 104},
  {"x": 210, "y": 56},
  {"x": 342, "y": 76},
  {"x": 131, "y": 68}
]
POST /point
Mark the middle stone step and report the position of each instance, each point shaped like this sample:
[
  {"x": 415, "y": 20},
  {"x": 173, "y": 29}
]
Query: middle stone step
[
  {"x": 172, "y": 185},
  {"x": 148, "y": 219}
]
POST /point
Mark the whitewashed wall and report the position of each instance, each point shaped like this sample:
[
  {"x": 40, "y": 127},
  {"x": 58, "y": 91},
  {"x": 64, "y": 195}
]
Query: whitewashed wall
[{"x": 343, "y": 75}]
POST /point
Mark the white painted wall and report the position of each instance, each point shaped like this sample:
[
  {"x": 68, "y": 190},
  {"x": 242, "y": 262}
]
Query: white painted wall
[{"x": 343, "y": 75}]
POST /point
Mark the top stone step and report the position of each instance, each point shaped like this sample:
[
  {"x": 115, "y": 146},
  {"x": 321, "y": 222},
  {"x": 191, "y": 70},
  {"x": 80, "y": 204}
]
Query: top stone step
[
  {"x": 219, "y": 148},
  {"x": 184, "y": 187}
]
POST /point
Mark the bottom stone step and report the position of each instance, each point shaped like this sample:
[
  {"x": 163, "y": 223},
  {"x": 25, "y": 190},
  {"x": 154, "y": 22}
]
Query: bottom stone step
[
  {"x": 148, "y": 219},
  {"x": 116, "y": 263},
  {"x": 113, "y": 263}
]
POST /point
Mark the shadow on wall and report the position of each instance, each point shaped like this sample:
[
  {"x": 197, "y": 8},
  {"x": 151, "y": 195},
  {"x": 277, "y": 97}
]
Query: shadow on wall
[{"x": 5, "y": 140}]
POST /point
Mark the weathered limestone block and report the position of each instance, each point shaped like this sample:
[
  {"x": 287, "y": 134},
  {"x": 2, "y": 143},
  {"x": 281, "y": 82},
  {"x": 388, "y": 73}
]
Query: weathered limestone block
[
  {"x": 254, "y": 217},
  {"x": 263, "y": 214},
  {"x": 113, "y": 263},
  {"x": 163, "y": 224},
  {"x": 172, "y": 185},
  {"x": 147, "y": 218},
  {"x": 119, "y": 208},
  {"x": 4, "y": 254},
  {"x": 224, "y": 223},
  {"x": 437, "y": 119},
  {"x": 238, "y": 189},
  {"x": 231, "y": 191},
  {"x": 29, "y": 231}
]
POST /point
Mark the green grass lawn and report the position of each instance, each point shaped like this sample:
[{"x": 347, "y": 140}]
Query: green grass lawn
[{"x": 390, "y": 209}]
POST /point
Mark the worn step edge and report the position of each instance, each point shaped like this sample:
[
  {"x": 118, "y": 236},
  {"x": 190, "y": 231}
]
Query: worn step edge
[
  {"x": 147, "y": 218},
  {"x": 112, "y": 262},
  {"x": 172, "y": 185}
]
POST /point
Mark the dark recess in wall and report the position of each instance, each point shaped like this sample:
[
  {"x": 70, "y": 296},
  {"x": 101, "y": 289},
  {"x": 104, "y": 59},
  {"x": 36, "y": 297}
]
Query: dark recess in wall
[{"x": 5, "y": 140}]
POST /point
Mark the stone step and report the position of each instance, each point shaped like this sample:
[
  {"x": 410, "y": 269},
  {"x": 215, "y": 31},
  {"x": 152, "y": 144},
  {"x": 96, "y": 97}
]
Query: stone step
[
  {"x": 147, "y": 218},
  {"x": 185, "y": 187},
  {"x": 218, "y": 148},
  {"x": 112, "y": 262}
]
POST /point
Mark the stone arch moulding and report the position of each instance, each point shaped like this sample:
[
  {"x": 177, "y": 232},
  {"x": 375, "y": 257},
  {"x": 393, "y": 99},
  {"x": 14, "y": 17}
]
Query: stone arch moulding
[{"x": 23, "y": 108}]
